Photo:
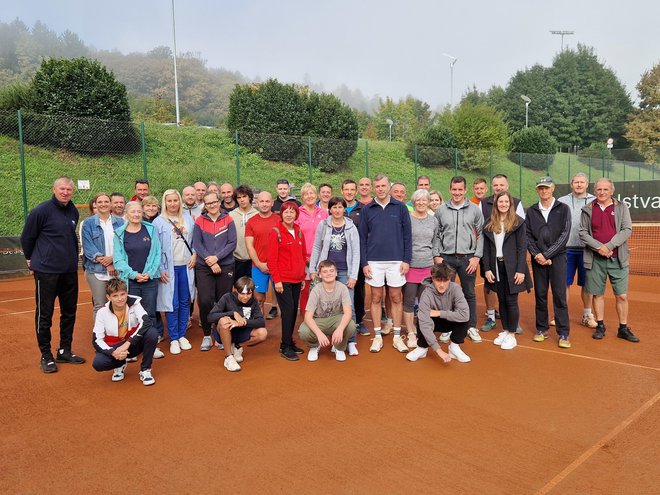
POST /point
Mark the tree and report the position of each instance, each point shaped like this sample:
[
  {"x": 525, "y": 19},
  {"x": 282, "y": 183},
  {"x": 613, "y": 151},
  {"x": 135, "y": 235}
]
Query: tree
[
  {"x": 534, "y": 145},
  {"x": 643, "y": 129},
  {"x": 435, "y": 147},
  {"x": 410, "y": 117}
]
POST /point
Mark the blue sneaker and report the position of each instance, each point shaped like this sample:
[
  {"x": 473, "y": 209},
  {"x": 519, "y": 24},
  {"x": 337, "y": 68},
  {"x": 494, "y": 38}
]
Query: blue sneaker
[
  {"x": 362, "y": 329},
  {"x": 489, "y": 325}
]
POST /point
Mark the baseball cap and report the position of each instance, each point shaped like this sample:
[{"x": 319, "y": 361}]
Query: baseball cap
[{"x": 545, "y": 182}]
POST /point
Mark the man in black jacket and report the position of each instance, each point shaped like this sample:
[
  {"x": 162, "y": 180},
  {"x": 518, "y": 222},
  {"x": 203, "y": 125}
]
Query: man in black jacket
[
  {"x": 548, "y": 227},
  {"x": 51, "y": 249}
]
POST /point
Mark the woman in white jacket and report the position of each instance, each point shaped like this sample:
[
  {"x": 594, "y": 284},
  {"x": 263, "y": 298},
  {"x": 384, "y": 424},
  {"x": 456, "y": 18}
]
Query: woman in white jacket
[
  {"x": 337, "y": 239},
  {"x": 175, "y": 295}
]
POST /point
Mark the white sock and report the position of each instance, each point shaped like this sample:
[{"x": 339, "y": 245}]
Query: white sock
[
  {"x": 397, "y": 331},
  {"x": 491, "y": 314},
  {"x": 586, "y": 312},
  {"x": 377, "y": 330}
]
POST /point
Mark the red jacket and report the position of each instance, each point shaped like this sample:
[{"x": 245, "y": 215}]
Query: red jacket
[{"x": 286, "y": 255}]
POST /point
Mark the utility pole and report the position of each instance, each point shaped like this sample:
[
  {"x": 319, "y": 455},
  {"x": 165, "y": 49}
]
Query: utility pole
[{"x": 176, "y": 83}]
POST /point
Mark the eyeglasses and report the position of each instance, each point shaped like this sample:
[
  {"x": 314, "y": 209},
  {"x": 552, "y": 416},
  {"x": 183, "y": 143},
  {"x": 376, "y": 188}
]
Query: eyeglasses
[{"x": 212, "y": 203}]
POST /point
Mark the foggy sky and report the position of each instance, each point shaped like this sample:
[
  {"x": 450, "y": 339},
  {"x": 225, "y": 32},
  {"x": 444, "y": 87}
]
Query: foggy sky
[{"x": 381, "y": 47}]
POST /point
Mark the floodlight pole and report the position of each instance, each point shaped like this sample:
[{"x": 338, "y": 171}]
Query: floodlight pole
[
  {"x": 562, "y": 33},
  {"x": 452, "y": 62},
  {"x": 527, "y": 101},
  {"x": 176, "y": 83}
]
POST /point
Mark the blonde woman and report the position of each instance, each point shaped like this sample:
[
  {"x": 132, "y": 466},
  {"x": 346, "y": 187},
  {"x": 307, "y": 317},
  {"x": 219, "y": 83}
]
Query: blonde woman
[
  {"x": 175, "y": 295},
  {"x": 435, "y": 200}
]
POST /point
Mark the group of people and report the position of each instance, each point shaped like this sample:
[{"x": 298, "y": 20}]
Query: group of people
[{"x": 147, "y": 261}]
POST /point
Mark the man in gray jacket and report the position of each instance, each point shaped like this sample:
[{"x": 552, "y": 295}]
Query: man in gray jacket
[
  {"x": 442, "y": 308},
  {"x": 461, "y": 243},
  {"x": 578, "y": 198},
  {"x": 605, "y": 226}
]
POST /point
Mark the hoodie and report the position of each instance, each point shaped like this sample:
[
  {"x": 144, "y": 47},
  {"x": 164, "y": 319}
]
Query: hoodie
[{"x": 452, "y": 303}]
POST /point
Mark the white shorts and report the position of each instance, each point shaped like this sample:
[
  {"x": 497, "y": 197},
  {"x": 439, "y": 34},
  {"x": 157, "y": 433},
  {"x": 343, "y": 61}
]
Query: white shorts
[{"x": 386, "y": 272}]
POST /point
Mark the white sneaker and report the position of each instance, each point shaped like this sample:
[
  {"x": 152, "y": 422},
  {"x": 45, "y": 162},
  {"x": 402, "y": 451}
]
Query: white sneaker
[
  {"x": 399, "y": 344},
  {"x": 313, "y": 354},
  {"x": 184, "y": 343},
  {"x": 134, "y": 359},
  {"x": 237, "y": 352},
  {"x": 500, "y": 338},
  {"x": 417, "y": 353},
  {"x": 175, "y": 347},
  {"x": 118, "y": 373},
  {"x": 340, "y": 355},
  {"x": 207, "y": 343},
  {"x": 352, "y": 349},
  {"x": 160, "y": 339},
  {"x": 231, "y": 364},
  {"x": 412, "y": 340},
  {"x": 509, "y": 342},
  {"x": 455, "y": 352},
  {"x": 444, "y": 337},
  {"x": 473, "y": 333},
  {"x": 158, "y": 354},
  {"x": 377, "y": 344},
  {"x": 146, "y": 378}
]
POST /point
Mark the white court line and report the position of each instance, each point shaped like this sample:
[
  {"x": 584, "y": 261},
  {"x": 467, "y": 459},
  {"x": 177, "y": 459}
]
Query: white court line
[
  {"x": 32, "y": 297},
  {"x": 33, "y": 309}
]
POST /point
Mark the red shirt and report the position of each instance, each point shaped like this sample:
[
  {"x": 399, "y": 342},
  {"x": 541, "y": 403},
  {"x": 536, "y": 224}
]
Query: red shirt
[
  {"x": 603, "y": 227},
  {"x": 259, "y": 229},
  {"x": 286, "y": 258}
]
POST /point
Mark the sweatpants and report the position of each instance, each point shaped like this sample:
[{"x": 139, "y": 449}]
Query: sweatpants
[
  {"x": 210, "y": 288},
  {"x": 48, "y": 287},
  {"x": 553, "y": 276},
  {"x": 458, "y": 331}
]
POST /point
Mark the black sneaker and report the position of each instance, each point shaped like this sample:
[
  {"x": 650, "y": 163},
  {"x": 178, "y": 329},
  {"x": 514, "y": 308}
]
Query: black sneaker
[
  {"x": 48, "y": 364},
  {"x": 272, "y": 313},
  {"x": 599, "y": 333},
  {"x": 297, "y": 349},
  {"x": 68, "y": 357},
  {"x": 626, "y": 334},
  {"x": 289, "y": 354}
]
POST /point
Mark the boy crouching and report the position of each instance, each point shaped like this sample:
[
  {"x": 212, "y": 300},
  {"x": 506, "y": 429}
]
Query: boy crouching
[{"x": 122, "y": 329}]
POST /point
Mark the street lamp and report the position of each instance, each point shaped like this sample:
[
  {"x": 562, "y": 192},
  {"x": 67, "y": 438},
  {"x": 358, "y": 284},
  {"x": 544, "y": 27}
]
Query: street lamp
[
  {"x": 176, "y": 84},
  {"x": 527, "y": 101},
  {"x": 390, "y": 122},
  {"x": 452, "y": 62}
]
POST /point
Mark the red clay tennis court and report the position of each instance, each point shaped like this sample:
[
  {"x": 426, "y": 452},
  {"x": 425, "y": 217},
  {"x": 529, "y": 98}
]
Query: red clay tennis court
[{"x": 533, "y": 420}]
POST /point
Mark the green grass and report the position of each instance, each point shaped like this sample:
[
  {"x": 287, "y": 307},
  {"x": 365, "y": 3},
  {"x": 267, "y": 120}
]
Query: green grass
[{"x": 179, "y": 156}]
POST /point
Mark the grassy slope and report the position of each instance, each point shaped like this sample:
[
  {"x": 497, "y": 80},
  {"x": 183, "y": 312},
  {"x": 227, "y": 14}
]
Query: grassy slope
[{"x": 179, "y": 156}]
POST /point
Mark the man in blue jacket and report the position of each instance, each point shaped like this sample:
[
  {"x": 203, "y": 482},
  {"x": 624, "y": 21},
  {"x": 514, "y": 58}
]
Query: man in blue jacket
[
  {"x": 51, "y": 249},
  {"x": 385, "y": 254}
]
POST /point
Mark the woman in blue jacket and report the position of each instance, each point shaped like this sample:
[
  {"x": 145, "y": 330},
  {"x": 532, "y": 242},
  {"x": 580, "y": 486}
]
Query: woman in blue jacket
[
  {"x": 97, "y": 238},
  {"x": 137, "y": 257}
]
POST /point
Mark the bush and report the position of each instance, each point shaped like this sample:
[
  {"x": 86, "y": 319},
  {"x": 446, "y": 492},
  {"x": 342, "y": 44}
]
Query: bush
[
  {"x": 435, "y": 147},
  {"x": 596, "y": 154},
  {"x": 537, "y": 146},
  {"x": 478, "y": 127},
  {"x": 335, "y": 128}
]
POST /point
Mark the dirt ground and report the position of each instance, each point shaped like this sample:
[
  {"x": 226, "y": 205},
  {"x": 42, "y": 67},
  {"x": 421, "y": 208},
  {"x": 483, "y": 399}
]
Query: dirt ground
[{"x": 537, "y": 419}]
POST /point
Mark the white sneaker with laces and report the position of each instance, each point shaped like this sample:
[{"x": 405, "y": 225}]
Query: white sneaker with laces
[
  {"x": 313, "y": 354},
  {"x": 352, "y": 349},
  {"x": 377, "y": 344},
  {"x": 417, "y": 353},
  {"x": 118, "y": 373},
  {"x": 231, "y": 364},
  {"x": 207, "y": 343},
  {"x": 184, "y": 343},
  {"x": 500, "y": 337},
  {"x": 237, "y": 352},
  {"x": 455, "y": 352},
  {"x": 158, "y": 354},
  {"x": 444, "y": 337},
  {"x": 146, "y": 378},
  {"x": 473, "y": 333},
  {"x": 509, "y": 342},
  {"x": 175, "y": 347},
  {"x": 412, "y": 340},
  {"x": 340, "y": 355},
  {"x": 399, "y": 344}
]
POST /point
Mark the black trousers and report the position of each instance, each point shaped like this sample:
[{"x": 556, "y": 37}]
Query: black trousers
[
  {"x": 553, "y": 276},
  {"x": 459, "y": 262},
  {"x": 210, "y": 288},
  {"x": 458, "y": 331},
  {"x": 288, "y": 303},
  {"x": 358, "y": 297},
  {"x": 145, "y": 346},
  {"x": 509, "y": 309},
  {"x": 48, "y": 287},
  {"x": 242, "y": 268}
]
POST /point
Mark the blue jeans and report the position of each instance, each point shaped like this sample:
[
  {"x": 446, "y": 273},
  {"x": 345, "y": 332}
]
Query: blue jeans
[
  {"x": 148, "y": 291},
  {"x": 177, "y": 319},
  {"x": 342, "y": 276}
]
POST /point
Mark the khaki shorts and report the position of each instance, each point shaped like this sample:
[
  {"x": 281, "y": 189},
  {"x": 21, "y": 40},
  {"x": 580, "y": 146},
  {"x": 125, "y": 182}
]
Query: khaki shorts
[{"x": 601, "y": 269}]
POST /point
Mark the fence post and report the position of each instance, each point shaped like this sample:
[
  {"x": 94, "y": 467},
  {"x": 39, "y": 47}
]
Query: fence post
[
  {"x": 416, "y": 163},
  {"x": 366, "y": 162},
  {"x": 603, "y": 161},
  {"x": 490, "y": 164},
  {"x": 624, "y": 171},
  {"x": 520, "y": 175},
  {"x": 547, "y": 164},
  {"x": 455, "y": 162},
  {"x": 568, "y": 179},
  {"x": 309, "y": 147},
  {"x": 22, "y": 156},
  {"x": 238, "y": 160},
  {"x": 144, "y": 152}
]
